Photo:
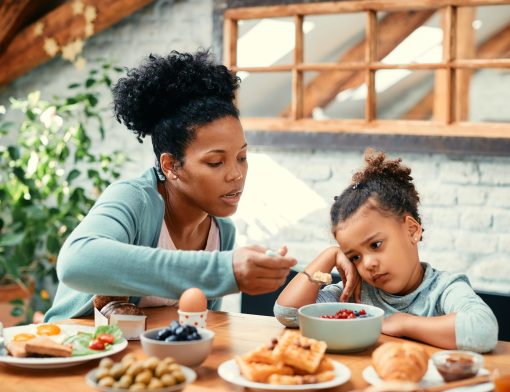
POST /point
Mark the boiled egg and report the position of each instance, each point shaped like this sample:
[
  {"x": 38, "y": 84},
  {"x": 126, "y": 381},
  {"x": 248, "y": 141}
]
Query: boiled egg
[{"x": 193, "y": 300}]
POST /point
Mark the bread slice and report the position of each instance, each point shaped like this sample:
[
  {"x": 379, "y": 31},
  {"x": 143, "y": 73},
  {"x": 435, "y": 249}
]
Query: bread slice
[
  {"x": 17, "y": 349},
  {"x": 43, "y": 345}
]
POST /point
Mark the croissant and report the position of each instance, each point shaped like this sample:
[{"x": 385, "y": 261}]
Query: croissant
[{"x": 400, "y": 361}]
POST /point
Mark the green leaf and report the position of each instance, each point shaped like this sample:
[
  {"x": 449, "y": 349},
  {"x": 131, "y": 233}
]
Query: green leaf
[
  {"x": 89, "y": 82},
  {"x": 111, "y": 329},
  {"x": 74, "y": 85},
  {"x": 72, "y": 175},
  {"x": 11, "y": 239}
]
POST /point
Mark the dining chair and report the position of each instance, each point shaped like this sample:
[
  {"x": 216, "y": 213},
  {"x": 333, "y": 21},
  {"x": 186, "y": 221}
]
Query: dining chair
[{"x": 500, "y": 305}]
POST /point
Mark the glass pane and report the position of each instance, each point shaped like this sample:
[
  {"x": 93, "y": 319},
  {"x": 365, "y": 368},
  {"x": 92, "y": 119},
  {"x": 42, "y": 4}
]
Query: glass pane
[
  {"x": 335, "y": 95},
  {"x": 334, "y": 38},
  {"x": 404, "y": 94},
  {"x": 486, "y": 29},
  {"x": 264, "y": 94},
  {"x": 265, "y": 42},
  {"x": 405, "y": 37},
  {"x": 489, "y": 96}
]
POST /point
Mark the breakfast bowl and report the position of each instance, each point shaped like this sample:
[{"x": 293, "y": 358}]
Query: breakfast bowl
[
  {"x": 457, "y": 364},
  {"x": 325, "y": 321},
  {"x": 187, "y": 353}
]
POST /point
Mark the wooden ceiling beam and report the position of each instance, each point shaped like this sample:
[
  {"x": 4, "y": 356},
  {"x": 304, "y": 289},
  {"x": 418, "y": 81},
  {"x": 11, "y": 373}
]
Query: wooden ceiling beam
[
  {"x": 392, "y": 30},
  {"x": 496, "y": 46},
  {"x": 12, "y": 15},
  {"x": 64, "y": 25}
]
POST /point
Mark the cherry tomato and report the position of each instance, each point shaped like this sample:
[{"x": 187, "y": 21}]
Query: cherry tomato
[
  {"x": 96, "y": 344},
  {"x": 106, "y": 338},
  {"x": 22, "y": 337},
  {"x": 48, "y": 329}
]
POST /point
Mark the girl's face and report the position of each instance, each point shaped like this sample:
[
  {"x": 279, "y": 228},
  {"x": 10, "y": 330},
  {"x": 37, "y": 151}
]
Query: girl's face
[
  {"x": 383, "y": 248},
  {"x": 213, "y": 175}
]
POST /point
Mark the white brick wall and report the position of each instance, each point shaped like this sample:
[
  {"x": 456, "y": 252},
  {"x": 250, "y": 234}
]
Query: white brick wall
[{"x": 465, "y": 202}]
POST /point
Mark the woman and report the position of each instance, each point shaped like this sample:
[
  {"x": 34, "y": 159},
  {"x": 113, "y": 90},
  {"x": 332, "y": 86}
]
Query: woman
[{"x": 155, "y": 236}]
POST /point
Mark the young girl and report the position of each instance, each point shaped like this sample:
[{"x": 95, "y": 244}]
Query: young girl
[
  {"x": 377, "y": 226},
  {"x": 153, "y": 237}
]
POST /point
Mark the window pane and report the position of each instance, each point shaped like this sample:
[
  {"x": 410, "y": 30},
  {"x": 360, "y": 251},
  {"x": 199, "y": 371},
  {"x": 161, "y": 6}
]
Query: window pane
[
  {"x": 489, "y": 96},
  {"x": 404, "y": 94},
  {"x": 265, "y": 42},
  {"x": 488, "y": 30},
  {"x": 334, "y": 38},
  {"x": 326, "y": 98},
  {"x": 405, "y": 37},
  {"x": 264, "y": 94}
]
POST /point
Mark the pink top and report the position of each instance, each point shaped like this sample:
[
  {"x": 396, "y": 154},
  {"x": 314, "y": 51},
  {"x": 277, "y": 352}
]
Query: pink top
[{"x": 165, "y": 242}]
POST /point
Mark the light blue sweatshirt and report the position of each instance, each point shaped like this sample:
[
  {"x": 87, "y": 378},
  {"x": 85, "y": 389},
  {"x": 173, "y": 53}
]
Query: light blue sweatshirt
[
  {"x": 440, "y": 293},
  {"x": 113, "y": 251}
]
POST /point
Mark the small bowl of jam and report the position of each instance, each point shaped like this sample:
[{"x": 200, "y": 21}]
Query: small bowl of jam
[{"x": 457, "y": 365}]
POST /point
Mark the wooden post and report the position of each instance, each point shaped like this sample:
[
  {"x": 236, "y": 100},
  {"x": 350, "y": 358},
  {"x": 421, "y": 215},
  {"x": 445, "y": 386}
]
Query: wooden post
[
  {"x": 370, "y": 56},
  {"x": 297, "y": 75},
  {"x": 445, "y": 79},
  {"x": 465, "y": 49}
]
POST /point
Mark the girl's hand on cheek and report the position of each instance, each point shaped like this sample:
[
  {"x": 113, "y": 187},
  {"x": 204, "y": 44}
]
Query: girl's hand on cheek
[
  {"x": 394, "y": 325},
  {"x": 350, "y": 278}
]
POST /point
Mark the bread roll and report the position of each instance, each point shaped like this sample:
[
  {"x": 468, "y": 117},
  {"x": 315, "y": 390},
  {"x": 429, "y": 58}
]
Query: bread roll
[
  {"x": 118, "y": 307},
  {"x": 100, "y": 301},
  {"x": 400, "y": 361}
]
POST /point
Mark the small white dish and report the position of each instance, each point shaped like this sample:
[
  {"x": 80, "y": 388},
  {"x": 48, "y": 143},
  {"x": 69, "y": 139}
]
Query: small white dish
[
  {"x": 229, "y": 371},
  {"x": 55, "y": 362},
  {"x": 432, "y": 378},
  {"x": 188, "y": 373}
]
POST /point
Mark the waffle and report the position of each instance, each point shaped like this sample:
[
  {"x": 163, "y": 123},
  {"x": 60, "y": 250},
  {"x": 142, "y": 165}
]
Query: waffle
[
  {"x": 262, "y": 354},
  {"x": 260, "y": 372},
  {"x": 299, "y": 351},
  {"x": 279, "y": 379}
]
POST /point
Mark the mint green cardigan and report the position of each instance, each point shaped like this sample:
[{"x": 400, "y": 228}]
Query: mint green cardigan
[{"x": 113, "y": 251}]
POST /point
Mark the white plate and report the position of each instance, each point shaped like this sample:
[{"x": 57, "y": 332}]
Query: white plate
[
  {"x": 56, "y": 362},
  {"x": 432, "y": 377},
  {"x": 188, "y": 373},
  {"x": 229, "y": 371}
]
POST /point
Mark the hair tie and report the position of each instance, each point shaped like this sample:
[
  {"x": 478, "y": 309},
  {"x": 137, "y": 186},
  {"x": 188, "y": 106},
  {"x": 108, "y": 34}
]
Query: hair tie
[{"x": 358, "y": 185}]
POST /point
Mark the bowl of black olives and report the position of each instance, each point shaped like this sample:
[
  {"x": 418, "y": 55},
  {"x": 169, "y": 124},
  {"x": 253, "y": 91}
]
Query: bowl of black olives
[{"x": 189, "y": 345}]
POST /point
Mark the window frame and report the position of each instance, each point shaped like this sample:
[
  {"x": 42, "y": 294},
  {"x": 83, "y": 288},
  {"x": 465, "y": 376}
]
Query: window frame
[{"x": 446, "y": 127}]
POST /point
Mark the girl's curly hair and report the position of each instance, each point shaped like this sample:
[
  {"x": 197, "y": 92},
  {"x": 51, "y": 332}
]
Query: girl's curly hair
[
  {"x": 388, "y": 182},
  {"x": 169, "y": 97}
]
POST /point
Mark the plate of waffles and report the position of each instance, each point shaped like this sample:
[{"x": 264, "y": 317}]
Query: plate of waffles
[
  {"x": 230, "y": 371},
  {"x": 290, "y": 362}
]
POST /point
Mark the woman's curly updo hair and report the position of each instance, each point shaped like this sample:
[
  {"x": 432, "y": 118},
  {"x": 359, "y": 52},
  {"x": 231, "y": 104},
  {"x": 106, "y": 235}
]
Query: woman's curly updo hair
[
  {"x": 387, "y": 182},
  {"x": 170, "y": 97}
]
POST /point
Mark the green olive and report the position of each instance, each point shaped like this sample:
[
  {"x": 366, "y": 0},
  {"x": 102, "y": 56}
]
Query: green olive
[
  {"x": 117, "y": 370},
  {"x": 137, "y": 387},
  {"x": 125, "y": 381},
  {"x": 106, "y": 363},
  {"x": 102, "y": 373},
  {"x": 144, "y": 377},
  {"x": 179, "y": 376},
  {"x": 168, "y": 380},
  {"x": 106, "y": 382},
  {"x": 135, "y": 368},
  {"x": 151, "y": 363},
  {"x": 155, "y": 384},
  {"x": 161, "y": 369}
]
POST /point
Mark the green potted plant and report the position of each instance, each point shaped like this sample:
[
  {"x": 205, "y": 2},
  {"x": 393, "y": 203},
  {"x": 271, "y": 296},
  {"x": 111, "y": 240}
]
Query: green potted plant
[{"x": 50, "y": 176}]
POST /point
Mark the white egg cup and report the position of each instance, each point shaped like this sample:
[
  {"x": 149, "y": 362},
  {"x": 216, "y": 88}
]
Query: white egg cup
[{"x": 196, "y": 319}]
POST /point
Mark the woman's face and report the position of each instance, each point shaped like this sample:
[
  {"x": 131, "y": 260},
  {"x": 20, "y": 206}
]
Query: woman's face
[
  {"x": 215, "y": 167},
  {"x": 383, "y": 249}
]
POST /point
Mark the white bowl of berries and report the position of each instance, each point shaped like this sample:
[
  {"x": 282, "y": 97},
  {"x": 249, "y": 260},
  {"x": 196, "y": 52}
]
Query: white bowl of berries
[
  {"x": 345, "y": 327},
  {"x": 188, "y": 345}
]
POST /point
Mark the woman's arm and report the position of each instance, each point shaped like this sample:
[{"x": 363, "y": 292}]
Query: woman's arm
[
  {"x": 438, "y": 331},
  {"x": 300, "y": 291}
]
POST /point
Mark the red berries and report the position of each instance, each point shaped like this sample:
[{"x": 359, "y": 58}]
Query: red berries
[{"x": 347, "y": 314}]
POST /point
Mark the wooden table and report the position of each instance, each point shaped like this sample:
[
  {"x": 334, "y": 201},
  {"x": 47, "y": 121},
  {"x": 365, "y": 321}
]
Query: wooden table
[{"x": 235, "y": 334}]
